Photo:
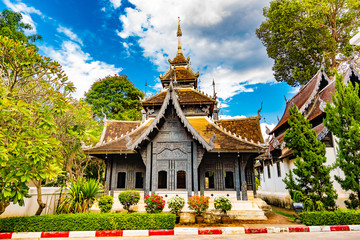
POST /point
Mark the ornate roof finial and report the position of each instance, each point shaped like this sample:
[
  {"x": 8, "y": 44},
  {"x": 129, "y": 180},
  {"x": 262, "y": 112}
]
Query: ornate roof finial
[
  {"x": 323, "y": 63},
  {"x": 145, "y": 89},
  {"x": 179, "y": 34},
  {"x": 214, "y": 89}
]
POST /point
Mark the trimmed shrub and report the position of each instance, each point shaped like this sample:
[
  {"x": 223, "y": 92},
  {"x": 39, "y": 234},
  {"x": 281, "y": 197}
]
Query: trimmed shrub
[
  {"x": 129, "y": 198},
  {"x": 105, "y": 203},
  {"x": 339, "y": 217},
  {"x": 88, "y": 222},
  {"x": 176, "y": 204},
  {"x": 222, "y": 203},
  {"x": 154, "y": 203}
]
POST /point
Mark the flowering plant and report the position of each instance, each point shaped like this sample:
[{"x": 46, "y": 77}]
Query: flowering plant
[
  {"x": 154, "y": 203},
  {"x": 222, "y": 203},
  {"x": 128, "y": 198},
  {"x": 199, "y": 204},
  {"x": 176, "y": 204}
]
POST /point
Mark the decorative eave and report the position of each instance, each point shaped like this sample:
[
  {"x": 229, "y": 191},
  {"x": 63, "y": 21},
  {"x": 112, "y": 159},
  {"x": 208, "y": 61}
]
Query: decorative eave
[
  {"x": 309, "y": 100},
  {"x": 351, "y": 70},
  {"x": 315, "y": 90},
  {"x": 99, "y": 147},
  {"x": 169, "y": 95}
]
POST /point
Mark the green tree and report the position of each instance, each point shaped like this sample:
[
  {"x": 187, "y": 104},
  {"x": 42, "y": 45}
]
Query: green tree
[
  {"x": 12, "y": 27},
  {"x": 42, "y": 127},
  {"x": 297, "y": 34},
  {"x": 312, "y": 176},
  {"x": 116, "y": 97},
  {"x": 343, "y": 120}
]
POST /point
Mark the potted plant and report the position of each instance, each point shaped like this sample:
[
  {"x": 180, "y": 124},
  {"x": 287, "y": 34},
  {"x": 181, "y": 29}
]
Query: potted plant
[
  {"x": 199, "y": 204},
  {"x": 176, "y": 204},
  {"x": 154, "y": 203},
  {"x": 224, "y": 204},
  {"x": 129, "y": 198}
]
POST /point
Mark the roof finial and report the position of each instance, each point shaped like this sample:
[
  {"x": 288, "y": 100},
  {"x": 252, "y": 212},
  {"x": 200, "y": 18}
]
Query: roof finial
[
  {"x": 145, "y": 89},
  {"x": 179, "y": 34},
  {"x": 214, "y": 96},
  {"x": 323, "y": 63}
]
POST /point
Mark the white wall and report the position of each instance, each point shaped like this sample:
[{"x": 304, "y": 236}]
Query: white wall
[{"x": 50, "y": 196}]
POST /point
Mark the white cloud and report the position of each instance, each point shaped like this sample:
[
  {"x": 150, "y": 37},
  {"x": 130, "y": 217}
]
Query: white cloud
[
  {"x": 69, "y": 34},
  {"x": 25, "y": 11},
  {"x": 116, "y": 3},
  {"x": 229, "y": 82},
  {"x": 295, "y": 90},
  {"x": 219, "y": 36},
  {"x": 79, "y": 66},
  {"x": 263, "y": 127}
]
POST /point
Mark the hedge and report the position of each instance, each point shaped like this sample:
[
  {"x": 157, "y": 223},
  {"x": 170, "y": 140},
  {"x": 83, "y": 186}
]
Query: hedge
[
  {"x": 88, "y": 222},
  {"x": 347, "y": 217}
]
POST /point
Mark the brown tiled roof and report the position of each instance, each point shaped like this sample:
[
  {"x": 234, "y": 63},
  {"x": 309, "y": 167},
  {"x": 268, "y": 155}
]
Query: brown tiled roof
[
  {"x": 119, "y": 145},
  {"x": 224, "y": 142},
  {"x": 186, "y": 96},
  {"x": 324, "y": 95},
  {"x": 302, "y": 97},
  {"x": 114, "y": 129},
  {"x": 179, "y": 58},
  {"x": 182, "y": 73},
  {"x": 245, "y": 127}
]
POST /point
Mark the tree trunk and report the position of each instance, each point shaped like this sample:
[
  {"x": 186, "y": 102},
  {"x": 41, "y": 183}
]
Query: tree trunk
[
  {"x": 3, "y": 206},
  {"x": 42, "y": 205}
]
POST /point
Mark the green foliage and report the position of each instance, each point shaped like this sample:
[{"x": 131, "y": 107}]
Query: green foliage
[
  {"x": 105, "y": 203},
  {"x": 176, "y": 204},
  {"x": 116, "y": 97},
  {"x": 297, "y": 34},
  {"x": 343, "y": 120},
  {"x": 88, "y": 222},
  {"x": 129, "y": 198},
  {"x": 312, "y": 175},
  {"x": 12, "y": 27},
  {"x": 80, "y": 197},
  {"x": 154, "y": 203},
  {"x": 198, "y": 203},
  {"x": 222, "y": 203},
  {"x": 322, "y": 218}
]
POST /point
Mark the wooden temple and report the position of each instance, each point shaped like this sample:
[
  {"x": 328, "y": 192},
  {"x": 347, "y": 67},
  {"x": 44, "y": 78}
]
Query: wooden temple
[{"x": 180, "y": 145}]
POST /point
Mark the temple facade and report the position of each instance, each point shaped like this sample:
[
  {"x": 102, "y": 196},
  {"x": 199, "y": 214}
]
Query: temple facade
[
  {"x": 181, "y": 145},
  {"x": 278, "y": 159}
]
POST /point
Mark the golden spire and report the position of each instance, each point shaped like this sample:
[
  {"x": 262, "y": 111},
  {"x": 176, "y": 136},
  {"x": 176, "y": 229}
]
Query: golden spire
[{"x": 179, "y": 34}]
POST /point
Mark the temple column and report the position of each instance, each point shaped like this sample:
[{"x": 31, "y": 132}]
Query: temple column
[
  {"x": 154, "y": 173},
  {"x": 148, "y": 170},
  {"x": 189, "y": 170},
  {"x": 237, "y": 178},
  {"x": 243, "y": 177},
  {"x": 194, "y": 168}
]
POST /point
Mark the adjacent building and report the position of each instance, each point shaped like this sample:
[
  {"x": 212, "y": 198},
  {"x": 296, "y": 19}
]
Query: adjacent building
[{"x": 278, "y": 160}]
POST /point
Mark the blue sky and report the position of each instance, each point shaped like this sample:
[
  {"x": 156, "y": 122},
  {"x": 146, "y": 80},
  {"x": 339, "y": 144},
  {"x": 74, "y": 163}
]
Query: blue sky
[{"x": 95, "y": 38}]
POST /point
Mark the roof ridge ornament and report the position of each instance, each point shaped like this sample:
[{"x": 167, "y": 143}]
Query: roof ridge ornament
[{"x": 179, "y": 34}]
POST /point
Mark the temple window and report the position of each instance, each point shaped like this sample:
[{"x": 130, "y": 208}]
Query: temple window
[
  {"x": 268, "y": 170},
  {"x": 139, "y": 181},
  {"x": 121, "y": 180},
  {"x": 209, "y": 180},
  {"x": 162, "y": 179},
  {"x": 278, "y": 169},
  {"x": 181, "y": 179},
  {"x": 229, "y": 179}
]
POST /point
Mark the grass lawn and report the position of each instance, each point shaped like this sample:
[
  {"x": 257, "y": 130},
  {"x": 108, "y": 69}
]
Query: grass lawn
[{"x": 288, "y": 215}]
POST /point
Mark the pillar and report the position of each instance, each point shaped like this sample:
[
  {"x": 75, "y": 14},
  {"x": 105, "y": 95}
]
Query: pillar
[{"x": 195, "y": 168}]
